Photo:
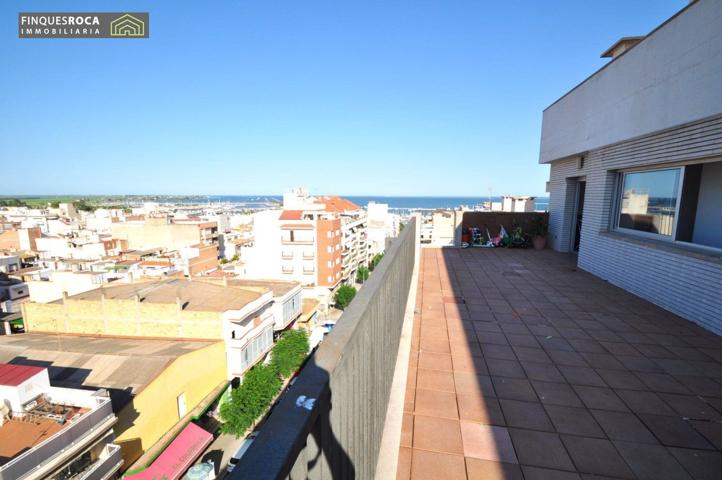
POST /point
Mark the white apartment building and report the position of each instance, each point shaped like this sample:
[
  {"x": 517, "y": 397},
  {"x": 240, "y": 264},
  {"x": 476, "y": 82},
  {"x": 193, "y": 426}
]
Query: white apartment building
[
  {"x": 54, "y": 433},
  {"x": 636, "y": 166},
  {"x": 381, "y": 225},
  {"x": 56, "y": 283},
  {"x": 354, "y": 226}
]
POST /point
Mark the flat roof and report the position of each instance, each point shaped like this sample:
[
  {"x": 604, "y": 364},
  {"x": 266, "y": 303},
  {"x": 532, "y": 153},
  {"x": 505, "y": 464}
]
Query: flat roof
[
  {"x": 278, "y": 287},
  {"x": 193, "y": 295},
  {"x": 123, "y": 366}
]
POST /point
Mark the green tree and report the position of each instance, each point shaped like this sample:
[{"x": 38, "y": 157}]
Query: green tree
[
  {"x": 289, "y": 352},
  {"x": 344, "y": 295},
  {"x": 250, "y": 400},
  {"x": 375, "y": 261},
  {"x": 362, "y": 274},
  {"x": 83, "y": 205}
]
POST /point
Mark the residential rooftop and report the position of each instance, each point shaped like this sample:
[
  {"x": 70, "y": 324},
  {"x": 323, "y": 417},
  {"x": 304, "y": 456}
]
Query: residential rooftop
[
  {"x": 193, "y": 295},
  {"x": 123, "y": 366},
  {"x": 278, "y": 287},
  {"x": 523, "y": 366}
]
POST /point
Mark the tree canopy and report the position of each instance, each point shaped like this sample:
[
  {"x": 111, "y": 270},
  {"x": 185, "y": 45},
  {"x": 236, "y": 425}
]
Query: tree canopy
[{"x": 344, "y": 295}]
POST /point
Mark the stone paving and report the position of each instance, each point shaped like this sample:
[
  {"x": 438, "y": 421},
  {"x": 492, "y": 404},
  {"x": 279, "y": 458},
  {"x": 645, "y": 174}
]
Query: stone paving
[{"x": 523, "y": 367}]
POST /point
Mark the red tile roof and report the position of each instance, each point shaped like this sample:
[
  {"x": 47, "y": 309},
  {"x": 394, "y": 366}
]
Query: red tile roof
[
  {"x": 14, "y": 375},
  {"x": 291, "y": 215},
  {"x": 337, "y": 204}
]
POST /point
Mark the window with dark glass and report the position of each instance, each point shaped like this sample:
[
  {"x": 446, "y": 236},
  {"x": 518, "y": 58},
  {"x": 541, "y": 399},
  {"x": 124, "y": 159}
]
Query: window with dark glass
[
  {"x": 649, "y": 201},
  {"x": 680, "y": 204}
]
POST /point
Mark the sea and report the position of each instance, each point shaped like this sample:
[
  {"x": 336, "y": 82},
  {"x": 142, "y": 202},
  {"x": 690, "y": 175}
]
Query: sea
[{"x": 397, "y": 204}]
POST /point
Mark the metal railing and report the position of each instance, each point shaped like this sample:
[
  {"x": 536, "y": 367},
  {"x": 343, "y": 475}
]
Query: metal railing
[
  {"x": 329, "y": 424},
  {"x": 108, "y": 463},
  {"x": 78, "y": 432}
]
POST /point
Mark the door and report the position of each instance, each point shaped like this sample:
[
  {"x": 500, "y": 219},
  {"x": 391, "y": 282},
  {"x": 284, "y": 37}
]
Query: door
[
  {"x": 579, "y": 214},
  {"x": 181, "y": 405}
]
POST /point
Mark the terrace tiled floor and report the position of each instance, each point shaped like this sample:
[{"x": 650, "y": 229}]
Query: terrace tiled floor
[{"x": 523, "y": 367}]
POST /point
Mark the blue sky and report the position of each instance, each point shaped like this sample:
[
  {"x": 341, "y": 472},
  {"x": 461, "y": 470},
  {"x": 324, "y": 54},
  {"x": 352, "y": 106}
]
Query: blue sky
[{"x": 254, "y": 97}]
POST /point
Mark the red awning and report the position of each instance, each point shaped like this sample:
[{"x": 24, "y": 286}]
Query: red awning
[{"x": 178, "y": 456}]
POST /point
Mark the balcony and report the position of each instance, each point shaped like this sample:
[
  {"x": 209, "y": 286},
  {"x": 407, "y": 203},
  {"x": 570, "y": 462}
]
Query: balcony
[
  {"x": 108, "y": 462},
  {"x": 513, "y": 364},
  {"x": 61, "y": 447}
]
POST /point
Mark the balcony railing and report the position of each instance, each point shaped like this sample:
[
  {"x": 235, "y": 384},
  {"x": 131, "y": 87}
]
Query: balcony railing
[
  {"x": 330, "y": 423},
  {"x": 62, "y": 444},
  {"x": 109, "y": 462}
]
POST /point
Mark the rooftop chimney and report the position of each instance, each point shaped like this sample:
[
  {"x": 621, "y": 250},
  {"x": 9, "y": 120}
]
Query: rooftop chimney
[{"x": 621, "y": 46}]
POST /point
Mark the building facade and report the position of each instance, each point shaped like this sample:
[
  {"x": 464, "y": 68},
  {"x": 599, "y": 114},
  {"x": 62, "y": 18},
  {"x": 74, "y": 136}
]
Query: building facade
[
  {"x": 635, "y": 153},
  {"x": 49, "y": 432}
]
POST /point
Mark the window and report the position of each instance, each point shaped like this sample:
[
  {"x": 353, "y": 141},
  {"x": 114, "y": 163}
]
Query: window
[
  {"x": 679, "y": 204},
  {"x": 649, "y": 201}
]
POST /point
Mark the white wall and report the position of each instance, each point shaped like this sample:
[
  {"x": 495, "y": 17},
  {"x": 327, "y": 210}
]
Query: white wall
[
  {"x": 670, "y": 78},
  {"x": 26, "y": 391},
  {"x": 684, "y": 282},
  {"x": 70, "y": 282},
  {"x": 263, "y": 259}
]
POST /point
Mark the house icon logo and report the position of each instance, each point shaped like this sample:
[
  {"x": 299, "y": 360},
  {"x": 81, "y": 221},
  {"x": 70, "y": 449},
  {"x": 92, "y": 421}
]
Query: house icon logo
[{"x": 127, "y": 26}]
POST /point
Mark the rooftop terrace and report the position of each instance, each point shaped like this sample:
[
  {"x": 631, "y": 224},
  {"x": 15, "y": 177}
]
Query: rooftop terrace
[
  {"x": 522, "y": 366},
  {"x": 512, "y": 364}
]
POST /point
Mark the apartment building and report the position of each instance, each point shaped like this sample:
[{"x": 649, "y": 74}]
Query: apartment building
[
  {"x": 353, "y": 231},
  {"x": 165, "y": 233},
  {"x": 50, "y": 432},
  {"x": 170, "y": 308},
  {"x": 19, "y": 239},
  {"x": 195, "y": 241},
  {"x": 287, "y": 303},
  {"x": 381, "y": 225},
  {"x": 635, "y": 152},
  {"x": 311, "y": 247},
  {"x": 152, "y": 386},
  {"x": 317, "y": 241},
  {"x": 354, "y": 234}
]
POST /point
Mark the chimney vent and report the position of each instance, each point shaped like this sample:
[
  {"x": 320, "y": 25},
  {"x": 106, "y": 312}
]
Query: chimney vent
[{"x": 621, "y": 46}]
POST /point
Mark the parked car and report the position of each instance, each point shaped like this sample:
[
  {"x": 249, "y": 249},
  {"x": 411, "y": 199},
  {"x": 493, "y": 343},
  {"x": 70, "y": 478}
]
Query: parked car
[{"x": 241, "y": 451}]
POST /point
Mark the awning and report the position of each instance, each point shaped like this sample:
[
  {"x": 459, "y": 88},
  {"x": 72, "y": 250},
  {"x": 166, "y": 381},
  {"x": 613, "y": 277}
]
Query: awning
[{"x": 178, "y": 456}]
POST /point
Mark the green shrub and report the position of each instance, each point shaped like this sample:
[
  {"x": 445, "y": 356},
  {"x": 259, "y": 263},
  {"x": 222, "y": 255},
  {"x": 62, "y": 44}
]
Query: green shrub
[
  {"x": 375, "y": 261},
  {"x": 362, "y": 274},
  {"x": 344, "y": 295},
  {"x": 250, "y": 400},
  {"x": 289, "y": 352}
]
